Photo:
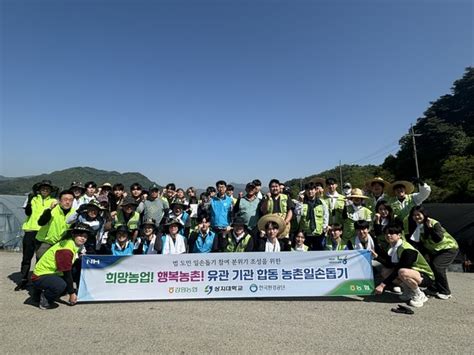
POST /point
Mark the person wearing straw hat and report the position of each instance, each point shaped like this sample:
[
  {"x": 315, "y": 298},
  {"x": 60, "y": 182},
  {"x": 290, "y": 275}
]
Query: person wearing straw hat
[
  {"x": 34, "y": 208},
  {"x": 334, "y": 201},
  {"x": 53, "y": 272},
  {"x": 405, "y": 199},
  {"x": 128, "y": 216},
  {"x": 273, "y": 226},
  {"x": 314, "y": 216},
  {"x": 172, "y": 242},
  {"x": 378, "y": 189},
  {"x": 277, "y": 203},
  {"x": 354, "y": 210},
  {"x": 238, "y": 239}
]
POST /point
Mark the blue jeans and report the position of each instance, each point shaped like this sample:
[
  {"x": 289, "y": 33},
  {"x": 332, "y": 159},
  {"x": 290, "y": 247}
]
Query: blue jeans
[{"x": 52, "y": 285}]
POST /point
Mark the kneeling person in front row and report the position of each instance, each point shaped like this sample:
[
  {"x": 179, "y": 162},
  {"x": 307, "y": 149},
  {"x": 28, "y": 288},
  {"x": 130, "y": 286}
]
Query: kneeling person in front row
[
  {"x": 405, "y": 266},
  {"x": 52, "y": 274}
]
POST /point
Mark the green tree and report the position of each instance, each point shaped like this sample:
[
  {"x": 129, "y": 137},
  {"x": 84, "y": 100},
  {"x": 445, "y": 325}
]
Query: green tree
[{"x": 457, "y": 178}]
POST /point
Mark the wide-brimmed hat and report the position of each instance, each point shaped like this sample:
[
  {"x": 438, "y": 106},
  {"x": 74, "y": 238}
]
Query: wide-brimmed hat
[
  {"x": 77, "y": 185},
  {"x": 409, "y": 187},
  {"x": 129, "y": 200},
  {"x": 121, "y": 228},
  {"x": 42, "y": 183},
  {"x": 94, "y": 203},
  {"x": 238, "y": 221},
  {"x": 386, "y": 185},
  {"x": 357, "y": 193},
  {"x": 106, "y": 184},
  {"x": 149, "y": 221},
  {"x": 171, "y": 221},
  {"x": 272, "y": 218},
  {"x": 81, "y": 228},
  {"x": 318, "y": 180},
  {"x": 178, "y": 202}
]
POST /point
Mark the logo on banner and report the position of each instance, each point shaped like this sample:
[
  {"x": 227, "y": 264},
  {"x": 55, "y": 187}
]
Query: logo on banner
[
  {"x": 338, "y": 260},
  {"x": 208, "y": 289},
  {"x": 92, "y": 261},
  {"x": 253, "y": 288},
  {"x": 170, "y": 289}
]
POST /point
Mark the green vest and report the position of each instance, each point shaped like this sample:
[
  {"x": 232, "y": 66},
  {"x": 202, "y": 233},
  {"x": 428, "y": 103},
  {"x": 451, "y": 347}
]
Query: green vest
[
  {"x": 52, "y": 232},
  {"x": 305, "y": 248},
  {"x": 402, "y": 209},
  {"x": 341, "y": 246},
  {"x": 132, "y": 224},
  {"x": 283, "y": 201},
  {"x": 38, "y": 205},
  {"x": 305, "y": 222},
  {"x": 348, "y": 226},
  {"x": 421, "y": 265},
  {"x": 47, "y": 264},
  {"x": 448, "y": 242},
  {"x": 335, "y": 214},
  {"x": 233, "y": 247}
]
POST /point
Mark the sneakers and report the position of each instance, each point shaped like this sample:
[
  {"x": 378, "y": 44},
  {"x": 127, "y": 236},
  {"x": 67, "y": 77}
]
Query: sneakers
[
  {"x": 397, "y": 290},
  {"x": 44, "y": 303},
  {"x": 418, "y": 300},
  {"x": 443, "y": 296}
]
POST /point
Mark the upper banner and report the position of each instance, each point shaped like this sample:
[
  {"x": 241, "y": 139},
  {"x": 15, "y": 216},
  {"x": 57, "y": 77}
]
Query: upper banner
[{"x": 225, "y": 275}]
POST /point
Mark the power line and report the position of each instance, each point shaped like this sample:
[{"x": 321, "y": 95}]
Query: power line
[{"x": 384, "y": 150}]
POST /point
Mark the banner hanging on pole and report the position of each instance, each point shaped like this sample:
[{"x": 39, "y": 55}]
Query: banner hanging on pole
[{"x": 225, "y": 275}]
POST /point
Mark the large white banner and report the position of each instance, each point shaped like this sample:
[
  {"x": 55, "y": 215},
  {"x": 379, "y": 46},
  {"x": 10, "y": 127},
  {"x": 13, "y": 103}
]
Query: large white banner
[{"x": 226, "y": 275}]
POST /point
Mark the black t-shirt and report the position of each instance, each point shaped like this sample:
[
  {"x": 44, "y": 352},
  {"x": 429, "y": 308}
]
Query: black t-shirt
[{"x": 276, "y": 205}]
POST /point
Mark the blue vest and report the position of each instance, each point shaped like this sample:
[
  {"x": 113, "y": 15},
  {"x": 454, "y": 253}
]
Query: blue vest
[
  {"x": 220, "y": 211},
  {"x": 204, "y": 245}
]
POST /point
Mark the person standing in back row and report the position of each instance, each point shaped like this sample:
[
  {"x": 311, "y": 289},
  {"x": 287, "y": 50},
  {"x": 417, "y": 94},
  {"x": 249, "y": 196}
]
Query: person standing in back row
[
  {"x": 405, "y": 199},
  {"x": 277, "y": 203},
  {"x": 220, "y": 211}
]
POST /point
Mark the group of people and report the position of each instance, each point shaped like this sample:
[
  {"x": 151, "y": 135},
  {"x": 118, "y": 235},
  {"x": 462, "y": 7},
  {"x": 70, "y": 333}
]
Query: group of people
[{"x": 409, "y": 249}]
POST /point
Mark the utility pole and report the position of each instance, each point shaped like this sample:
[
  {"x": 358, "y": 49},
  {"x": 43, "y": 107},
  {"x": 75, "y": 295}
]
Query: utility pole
[
  {"x": 340, "y": 174},
  {"x": 413, "y": 135}
]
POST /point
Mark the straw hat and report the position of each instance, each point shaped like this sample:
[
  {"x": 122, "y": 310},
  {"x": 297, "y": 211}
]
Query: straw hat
[
  {"x": 409, "y": 187},
  {"x": 386, "y": 185},
  {"x": 357, "y": 193},
  {"x": 272, "y": 218}
]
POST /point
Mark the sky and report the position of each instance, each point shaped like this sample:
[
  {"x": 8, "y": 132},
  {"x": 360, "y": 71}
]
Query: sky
[{"x": 193, "y": 92}]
